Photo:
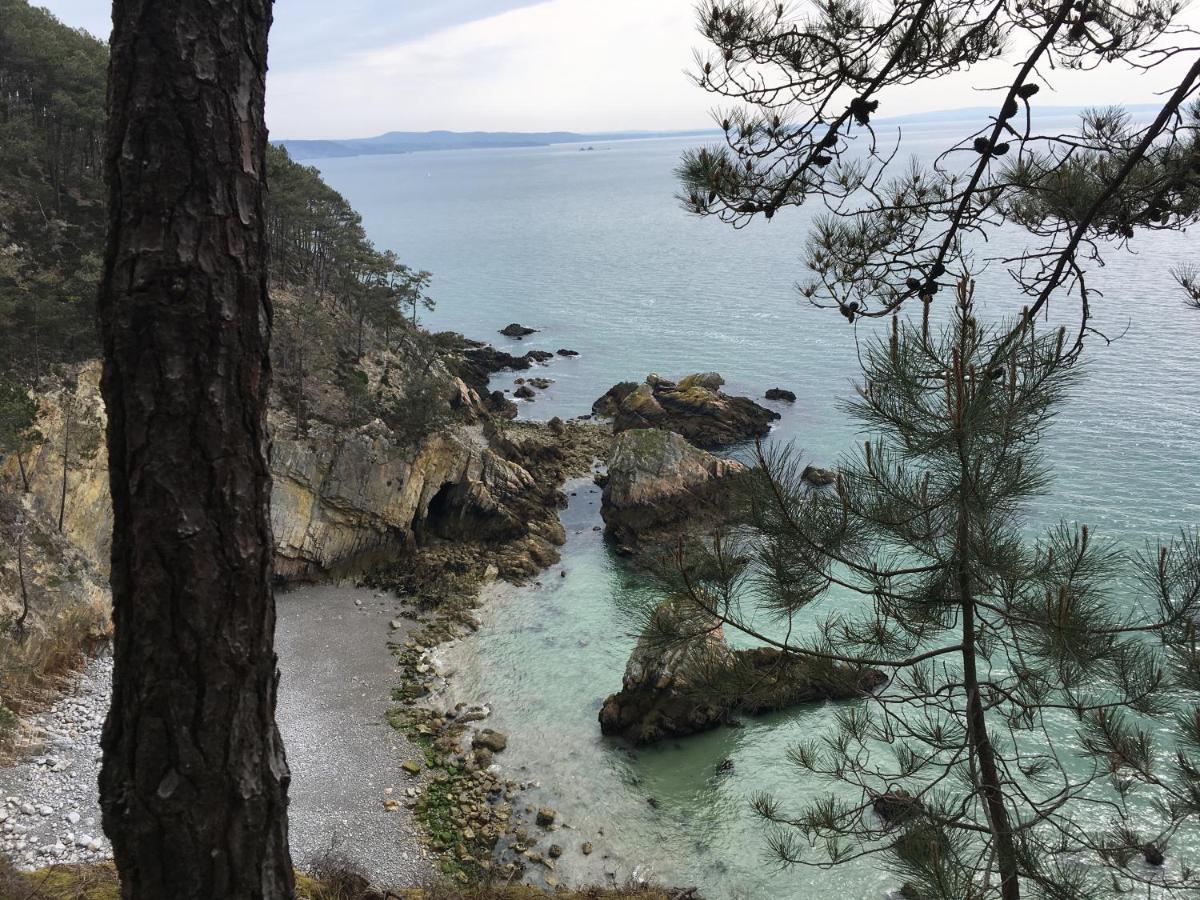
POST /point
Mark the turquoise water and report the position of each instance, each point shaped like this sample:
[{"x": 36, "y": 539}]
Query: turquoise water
[{"x": 592, "y": 249}]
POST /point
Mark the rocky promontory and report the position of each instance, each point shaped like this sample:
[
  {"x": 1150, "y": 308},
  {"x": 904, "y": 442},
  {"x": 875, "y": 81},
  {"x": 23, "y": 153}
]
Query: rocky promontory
[
  {"x": 683, "y": 678},
  {"x": 694, "y": 407},
  {"x": 657, "y": 482}
]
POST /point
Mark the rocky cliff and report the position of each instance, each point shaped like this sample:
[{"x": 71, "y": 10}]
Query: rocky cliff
[{"x": 342, "y": 498}]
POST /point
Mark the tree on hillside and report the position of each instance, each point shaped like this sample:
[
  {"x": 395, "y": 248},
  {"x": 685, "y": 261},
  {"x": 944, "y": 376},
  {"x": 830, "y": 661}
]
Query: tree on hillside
[
  {"x": 194, "y": 780},
  {"x": 955, "y": 773},
  {"x": 18, "y": 412},
  {"x": 808, "y": 89},
  {"x": 51, "y": 214}
]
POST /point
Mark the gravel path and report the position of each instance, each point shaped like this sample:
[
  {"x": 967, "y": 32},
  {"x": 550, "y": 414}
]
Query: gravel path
[{"x": 337, "y": 674}]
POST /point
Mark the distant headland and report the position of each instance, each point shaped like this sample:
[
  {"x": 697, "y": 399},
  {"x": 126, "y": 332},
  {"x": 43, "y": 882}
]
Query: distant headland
[{"x": 417, "y": 141}]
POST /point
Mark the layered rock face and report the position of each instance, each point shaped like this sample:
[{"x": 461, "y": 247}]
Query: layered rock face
[
  {"x": 683, "y": 678},
  {"x": 695, "y": 408},
  {"x": 338, "y": 501},
  {"x": 657, "y": 481},
  {"x": 342, "y": 498}
]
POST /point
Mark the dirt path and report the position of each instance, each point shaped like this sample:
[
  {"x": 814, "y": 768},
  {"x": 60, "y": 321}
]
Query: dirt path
[{"x": 334, "y": 693}]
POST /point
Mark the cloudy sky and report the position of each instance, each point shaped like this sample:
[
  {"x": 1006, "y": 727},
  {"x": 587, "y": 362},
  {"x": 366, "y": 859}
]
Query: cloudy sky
[{"x": 355, "y": 68}]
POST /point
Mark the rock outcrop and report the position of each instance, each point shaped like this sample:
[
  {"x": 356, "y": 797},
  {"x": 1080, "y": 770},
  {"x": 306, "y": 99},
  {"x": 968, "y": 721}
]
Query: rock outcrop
[
  {"x": 662, "y": 693},
  {"x": 341, "y": 499},
  {"x": 657, "y": 482},
  {"x": 516, "y": 330},
  {"x": 695, "y": 407},
  {"x": 683, "y": 678},
  {"x": 340, "y": 502},
  {"x": 781, "y": 395},
  {"x": 475, "y": 362}
]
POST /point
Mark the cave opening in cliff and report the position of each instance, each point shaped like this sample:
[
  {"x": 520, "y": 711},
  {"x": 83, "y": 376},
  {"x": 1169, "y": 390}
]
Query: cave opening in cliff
[{"x": 445, "y": 516}]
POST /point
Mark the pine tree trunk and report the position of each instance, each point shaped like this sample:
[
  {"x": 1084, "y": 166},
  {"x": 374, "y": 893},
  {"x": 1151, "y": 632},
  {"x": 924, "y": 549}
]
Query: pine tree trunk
[
  {"x": 977, "y": 734},
  {"x": 19, "y": 627},
  {"x": 24, "y": 471},
  {"x": 194, "y": 780},
  {"x": 66, "y": 467}
]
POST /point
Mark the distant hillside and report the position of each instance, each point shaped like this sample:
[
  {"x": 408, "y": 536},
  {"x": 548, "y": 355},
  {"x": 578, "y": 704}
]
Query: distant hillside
[{"x": 417, "y": 141}]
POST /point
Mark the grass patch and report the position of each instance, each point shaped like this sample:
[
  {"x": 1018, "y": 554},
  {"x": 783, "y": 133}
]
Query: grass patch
[
  {"x": 32, "y": 666},
  {"x": 330, "y": 879},
  {"x": 94, "y": 882}
]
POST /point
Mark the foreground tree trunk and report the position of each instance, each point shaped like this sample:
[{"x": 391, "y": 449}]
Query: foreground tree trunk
[{"x": 194, "y": 780}]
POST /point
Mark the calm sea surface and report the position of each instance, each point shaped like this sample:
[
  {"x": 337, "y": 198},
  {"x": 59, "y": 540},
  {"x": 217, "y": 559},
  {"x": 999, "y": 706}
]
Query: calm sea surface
[{"x": 593, "y": 250}]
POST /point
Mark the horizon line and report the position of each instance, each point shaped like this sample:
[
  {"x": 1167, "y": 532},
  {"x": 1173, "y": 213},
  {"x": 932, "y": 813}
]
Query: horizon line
[{"x": 711, "y": 128}]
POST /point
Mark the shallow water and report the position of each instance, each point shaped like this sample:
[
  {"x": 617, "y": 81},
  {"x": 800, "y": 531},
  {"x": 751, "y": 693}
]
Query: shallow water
[{"x": 592, "y": 249}]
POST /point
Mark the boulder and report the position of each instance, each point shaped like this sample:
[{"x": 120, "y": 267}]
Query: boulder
[
  {"x": 524, "y": 392},
  {"x": 780, "y": 394},
  {"x": 694, "y": 407},
  {"x": 815, "y": 477},
  {"x": 487, "y": 739},
  {"x": 565, "y": 352},
  {"x": 515, "y": 330},
  {"x": 683, "y": 678},
  {"x": 657, "y": 481}
]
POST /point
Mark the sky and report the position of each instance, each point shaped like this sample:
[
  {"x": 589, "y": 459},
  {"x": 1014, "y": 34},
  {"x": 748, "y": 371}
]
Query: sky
[{"x": 358, "y": 68}]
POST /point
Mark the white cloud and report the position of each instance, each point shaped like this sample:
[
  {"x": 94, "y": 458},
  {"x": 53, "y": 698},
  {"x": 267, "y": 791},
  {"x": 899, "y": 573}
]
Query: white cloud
[{"x": 582, "y": 65}]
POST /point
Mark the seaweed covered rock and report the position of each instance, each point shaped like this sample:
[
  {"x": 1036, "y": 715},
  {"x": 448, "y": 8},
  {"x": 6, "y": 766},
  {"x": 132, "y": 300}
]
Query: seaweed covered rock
[
  {"x": 657, "y": 481},
  {"x": 683, "y": 678},
  {"x": 695, "y": 408}
]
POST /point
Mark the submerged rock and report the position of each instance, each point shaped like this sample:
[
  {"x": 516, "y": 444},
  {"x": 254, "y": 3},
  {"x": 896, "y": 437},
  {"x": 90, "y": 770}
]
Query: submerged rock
[
  {"x": 657, "y": 481},
  {"x": 683, "y": 678},
  {"x": 694, "y": 408}
]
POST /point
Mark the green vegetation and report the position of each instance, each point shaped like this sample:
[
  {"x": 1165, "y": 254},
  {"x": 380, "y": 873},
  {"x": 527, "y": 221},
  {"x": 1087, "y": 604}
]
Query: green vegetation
[
  {"x": 52, "y": 84},
  {"x": 992, "y": 643},
  {"x": 329, "y": 880},
  {"x": 338, "y": 298},
  {"x": 805, "y": 86}
]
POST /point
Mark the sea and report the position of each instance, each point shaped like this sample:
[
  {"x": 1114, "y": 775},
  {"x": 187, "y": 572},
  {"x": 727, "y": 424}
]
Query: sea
[{"x": 590, "y": 245}]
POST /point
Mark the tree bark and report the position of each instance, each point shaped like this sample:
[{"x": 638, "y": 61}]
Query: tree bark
[{"x": 194, "y": 779}]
